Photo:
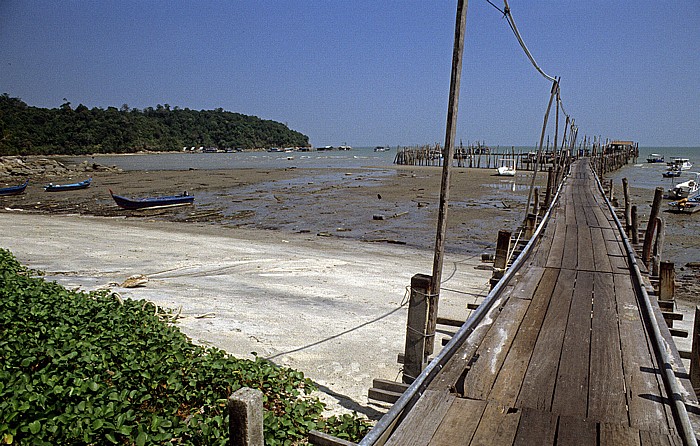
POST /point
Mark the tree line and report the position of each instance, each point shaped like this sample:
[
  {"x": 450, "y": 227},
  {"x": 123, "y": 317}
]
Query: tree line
[{"x": 27, "y": 130}]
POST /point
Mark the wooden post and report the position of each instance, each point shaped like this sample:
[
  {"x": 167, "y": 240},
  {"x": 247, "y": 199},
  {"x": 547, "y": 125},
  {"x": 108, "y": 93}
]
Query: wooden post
[
  {"x": 612, "y": 191},
  {"x": 548, "y": 192},
  {"x": 651, "y": 225},
  {"x": 416, "y": 335},
  {"x": 635, "y": 225},
  {"x": 502, "y": 250},
  {"x": 628, "y": 210},
  {"x": 695, "y": 353},
  {"x": 530, "y": 223},
  {"x": 667, "y": 281},
  {"x": 658, "y": 245},
  {"x": 245, "y": 411},
  {"x": 536, "y": 202},
  {"x": 450, "y": 131}
]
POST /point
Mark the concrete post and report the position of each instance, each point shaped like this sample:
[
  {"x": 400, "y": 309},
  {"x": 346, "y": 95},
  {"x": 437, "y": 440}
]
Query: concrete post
[{"x": 245, "y": 412}]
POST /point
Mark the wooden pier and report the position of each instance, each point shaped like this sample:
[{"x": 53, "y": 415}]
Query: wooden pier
[{"x": 568, "y": 349}]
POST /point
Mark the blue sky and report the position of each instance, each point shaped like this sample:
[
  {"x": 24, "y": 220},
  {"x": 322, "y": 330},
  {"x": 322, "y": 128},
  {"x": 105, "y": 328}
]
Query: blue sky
[{"x": 366, "y": 72}]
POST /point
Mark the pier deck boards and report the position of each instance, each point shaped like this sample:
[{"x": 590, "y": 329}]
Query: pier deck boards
[{"x": 564, "y": 358}]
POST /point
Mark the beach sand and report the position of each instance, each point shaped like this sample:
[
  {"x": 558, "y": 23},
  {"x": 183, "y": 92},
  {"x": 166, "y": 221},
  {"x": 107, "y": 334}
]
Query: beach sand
[{"x": 305, "y": 267}]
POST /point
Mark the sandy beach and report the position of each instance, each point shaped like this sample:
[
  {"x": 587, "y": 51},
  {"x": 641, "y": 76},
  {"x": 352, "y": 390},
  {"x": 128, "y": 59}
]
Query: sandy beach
[{"x": 305, "y": 267}]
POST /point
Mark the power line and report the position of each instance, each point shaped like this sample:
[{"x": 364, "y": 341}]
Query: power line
[{"x": 511, "y": 22}]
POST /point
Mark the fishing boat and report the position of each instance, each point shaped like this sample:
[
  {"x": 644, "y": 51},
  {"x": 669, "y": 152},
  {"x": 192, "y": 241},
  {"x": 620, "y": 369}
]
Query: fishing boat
[
  {"x": 382, "y": 149},
  {"x": 14, "y": 190},
  {"x": 64, "y": 187},
  {"x": 684, "y": 189},
  {"x": 679, "y": 164},
  {"x": 152, "y": 202},
  {"x": 686, "y": 205},
  {"x": 671, "y": 173},
  {"x": 507, "y": 168},
  {"x": 655, "y": 158}
]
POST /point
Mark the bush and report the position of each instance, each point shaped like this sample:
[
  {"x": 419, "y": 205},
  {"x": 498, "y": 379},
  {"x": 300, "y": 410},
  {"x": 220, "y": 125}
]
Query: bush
[{"x": 86, "y": 368}]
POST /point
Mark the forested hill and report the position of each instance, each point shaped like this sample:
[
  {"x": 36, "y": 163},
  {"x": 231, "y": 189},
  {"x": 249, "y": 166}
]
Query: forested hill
[{"x": 27, "y": 130}]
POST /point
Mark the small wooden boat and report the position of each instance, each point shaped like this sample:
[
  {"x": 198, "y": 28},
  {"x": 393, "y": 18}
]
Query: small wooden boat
[
  {"x": 152, "y": 202},
  {"x": 686, "y": 205},
  {"x": 64, "y": 187},
  {"x": 14, "y": 190}
]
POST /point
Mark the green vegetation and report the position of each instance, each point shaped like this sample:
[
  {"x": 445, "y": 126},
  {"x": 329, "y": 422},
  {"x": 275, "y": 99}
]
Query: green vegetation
[
  {"x": 87, "y": 368},
  {"x": 26, "y": 130}
]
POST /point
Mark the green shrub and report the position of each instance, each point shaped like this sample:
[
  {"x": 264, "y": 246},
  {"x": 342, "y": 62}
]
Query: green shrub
[{"x": 86, "y": 368}]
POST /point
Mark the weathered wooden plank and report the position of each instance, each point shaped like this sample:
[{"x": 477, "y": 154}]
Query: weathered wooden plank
[
  {"x": 606, "y": 396},
  {"x": 536, "y": 428},
  {"x": 498, "y": 426},
  {"x": 509, "y": 380},
  {"x": 649, "y": 438},
  {"x": 539, "y": 382},
  {"x": 556, "y": 252},
  {"x": 600, "y": 252},
  {"x": 618, "y": 435},
  {"x": 571, "y": 393},
  {"x": 460, "y": 422},
  {"x": 422, "y": 421},
  {"x": 645, "y": 394},
  {"x": 573, "y": 431},
  {"x": 570, "y": 258},
  {"x": 493, "y": 350},
  {"x": 585, "y": 250}
]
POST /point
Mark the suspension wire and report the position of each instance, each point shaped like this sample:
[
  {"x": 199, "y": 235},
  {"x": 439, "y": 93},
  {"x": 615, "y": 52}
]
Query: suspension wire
[{"x": 511, "y": 22}]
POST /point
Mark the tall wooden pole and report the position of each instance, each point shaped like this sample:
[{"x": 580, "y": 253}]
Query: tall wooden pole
[{"x": 448, "y": 154}]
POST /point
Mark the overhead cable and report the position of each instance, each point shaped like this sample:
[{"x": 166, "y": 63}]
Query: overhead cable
[{"x": 511, "y": 22}]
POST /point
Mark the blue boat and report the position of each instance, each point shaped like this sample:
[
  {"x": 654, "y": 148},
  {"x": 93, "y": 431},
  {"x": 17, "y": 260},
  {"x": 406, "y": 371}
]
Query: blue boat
[
  {"x": 64, "y": 187},
  {"x": 153, "y": 202},
  {"x": 14, "y": 190}
]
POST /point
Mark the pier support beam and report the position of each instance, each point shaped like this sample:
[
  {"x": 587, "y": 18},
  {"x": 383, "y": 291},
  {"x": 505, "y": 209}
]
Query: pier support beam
[
  {"x": 651, "y": 225},
  {"x": 416, "y": 335}
]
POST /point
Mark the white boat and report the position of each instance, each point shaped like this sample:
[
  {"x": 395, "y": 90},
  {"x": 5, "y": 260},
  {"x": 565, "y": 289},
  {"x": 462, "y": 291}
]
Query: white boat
[
  {"x": 686, "y": 205},
  {"x": 507, "y": 168},
  {"x": 381, "y": 149},
  {"x": 679, "y": 164},
  {"x": 684, "y": 189}
]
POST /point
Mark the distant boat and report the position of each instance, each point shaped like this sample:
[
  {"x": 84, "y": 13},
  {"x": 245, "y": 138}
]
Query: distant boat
[
  {"x": 344, "y": 147},
  {"x": 655, "y": 158},
  {"x": 686, "y": 205},
  {"x": 507, "y": 168},
  {"x": 64, "y": 187},
  {"x": 14, "y": 190},
  {"x": 153, "y": 202},
  {"x": 671, "y": 173},
  {"x": 381, "y": 149},
  {"x": 679, "y": 164}
]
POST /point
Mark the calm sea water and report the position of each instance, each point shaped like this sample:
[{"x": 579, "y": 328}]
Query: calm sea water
[
  {"x": 355, "y": 158},
  {"x": 649, "y": 175}
]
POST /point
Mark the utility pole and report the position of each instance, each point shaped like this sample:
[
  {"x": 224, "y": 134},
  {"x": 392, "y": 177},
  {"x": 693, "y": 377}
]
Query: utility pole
[{"x": 448, "y": 154}]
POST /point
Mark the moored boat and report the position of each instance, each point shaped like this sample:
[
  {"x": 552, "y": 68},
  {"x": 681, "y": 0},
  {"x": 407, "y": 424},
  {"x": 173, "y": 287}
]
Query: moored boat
[
  {"x": 679, "y": 164},
  {"x": 684, "y": 189},
  {"x": 64, "y": 187},
  {"x": 152, "y": 202},
  {"x": 655, "y": 158},
  {"x": 507, "y": 168},
  {"x": 14, "y": 190},
  {"x": 671, "y": 173},
  {"x": 686, "y": 205}
]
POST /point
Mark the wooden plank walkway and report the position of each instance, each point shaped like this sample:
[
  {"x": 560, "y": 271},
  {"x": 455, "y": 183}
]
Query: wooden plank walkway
[{"x": 567, "y": 359}]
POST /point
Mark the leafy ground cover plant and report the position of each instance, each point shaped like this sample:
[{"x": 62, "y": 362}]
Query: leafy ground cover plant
[{"x": 87, "y": 368}]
